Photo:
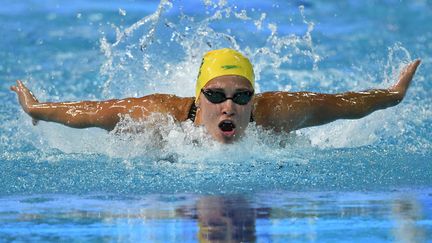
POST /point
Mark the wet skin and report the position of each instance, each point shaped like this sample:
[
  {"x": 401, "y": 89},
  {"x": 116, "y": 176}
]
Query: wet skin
[
  {"x": 213, "y": 115},
  {"x": 278, "y": 111}
]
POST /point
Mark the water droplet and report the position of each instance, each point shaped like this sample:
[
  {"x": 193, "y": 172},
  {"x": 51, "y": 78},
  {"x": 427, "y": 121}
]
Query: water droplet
[{"x": 122, "y": 12}]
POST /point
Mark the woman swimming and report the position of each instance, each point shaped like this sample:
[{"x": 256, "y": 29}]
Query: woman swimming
[{"x": 225, "y": 102}]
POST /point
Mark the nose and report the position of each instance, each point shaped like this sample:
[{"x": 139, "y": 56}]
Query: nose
[{"x": 228, "y": 108}]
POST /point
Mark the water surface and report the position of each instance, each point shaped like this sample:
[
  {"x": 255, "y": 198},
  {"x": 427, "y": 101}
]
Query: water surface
[{"x": 366, "y": 179}]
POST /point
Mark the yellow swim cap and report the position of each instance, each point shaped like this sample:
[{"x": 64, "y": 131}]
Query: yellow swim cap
[{"x": 222, "y": 62}]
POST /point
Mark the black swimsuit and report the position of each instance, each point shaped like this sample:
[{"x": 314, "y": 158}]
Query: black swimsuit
[
  {"x": 193, "y": 109},
  {"x": 192, "y": 112}
]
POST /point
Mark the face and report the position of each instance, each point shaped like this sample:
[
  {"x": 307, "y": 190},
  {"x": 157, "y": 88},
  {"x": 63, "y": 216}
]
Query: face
[{"x": 226, "y": 121}]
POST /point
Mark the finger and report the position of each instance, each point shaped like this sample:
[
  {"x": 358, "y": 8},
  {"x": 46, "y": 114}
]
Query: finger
[
  {"x": 20, "y": 84},
  {"x": 13, "y": 88},
  {"x": 407, "y": 75},
  {"x": 416, "y": 63},
  {"x": 409, "y": 69},
  {"x": 413, "y": 65}
]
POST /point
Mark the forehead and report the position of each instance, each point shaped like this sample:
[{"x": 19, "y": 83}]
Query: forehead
[{"x": 229, "y": 81}]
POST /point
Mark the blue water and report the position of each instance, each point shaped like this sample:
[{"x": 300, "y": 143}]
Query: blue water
[{"x": 351, "y": 180}]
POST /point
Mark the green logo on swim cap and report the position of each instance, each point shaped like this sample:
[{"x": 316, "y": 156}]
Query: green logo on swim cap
[{"x": 229, "y": 67}]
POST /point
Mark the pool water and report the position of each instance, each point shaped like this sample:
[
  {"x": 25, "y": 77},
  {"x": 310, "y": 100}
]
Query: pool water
[
  {"x": 262, "y": 217},
  {"x": 351, "y": 180}
]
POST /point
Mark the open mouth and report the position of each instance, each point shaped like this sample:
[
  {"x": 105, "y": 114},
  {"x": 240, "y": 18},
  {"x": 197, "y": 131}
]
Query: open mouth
[{"x": 227, "y": 127}]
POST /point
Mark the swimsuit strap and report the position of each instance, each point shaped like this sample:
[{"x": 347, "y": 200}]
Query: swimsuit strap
[
  {"x": 192, "y": 112},
  {"x": 193, "y": 109}
]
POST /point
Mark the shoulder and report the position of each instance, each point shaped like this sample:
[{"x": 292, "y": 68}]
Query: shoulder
[
  {"x": 273, "y": 98},
  {"x": 278, "y": 110},
  {"x": 265, "y": 106},
  {"x": 280, "y": 95},
  {"x": 176, "y": 106}
]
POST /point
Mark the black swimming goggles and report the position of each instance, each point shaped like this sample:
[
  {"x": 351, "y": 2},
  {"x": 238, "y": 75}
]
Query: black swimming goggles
[{"x": 216, "y": 97}]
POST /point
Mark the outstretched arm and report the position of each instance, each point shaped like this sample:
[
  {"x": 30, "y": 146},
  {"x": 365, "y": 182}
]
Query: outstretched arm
[
  {"x": 103, "y": 114},
  {"x": 291, "y": 111}
]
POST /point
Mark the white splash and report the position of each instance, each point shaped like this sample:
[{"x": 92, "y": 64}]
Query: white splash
[{"x": 162, "y": 53}]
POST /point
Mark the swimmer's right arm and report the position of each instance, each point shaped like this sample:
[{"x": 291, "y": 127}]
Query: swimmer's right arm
[
  {"x": 102, "y": 114},
  {"x": 73, "y": 114}
]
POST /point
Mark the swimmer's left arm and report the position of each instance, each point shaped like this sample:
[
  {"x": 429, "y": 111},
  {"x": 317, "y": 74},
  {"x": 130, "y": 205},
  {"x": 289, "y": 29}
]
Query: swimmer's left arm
[
  {"x": 293, "y": 111},
  {"x": 355, "y": 105}
]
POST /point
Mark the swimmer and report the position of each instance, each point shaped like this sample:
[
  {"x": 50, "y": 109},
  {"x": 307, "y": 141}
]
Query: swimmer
[{"x": 225, "y": 102}]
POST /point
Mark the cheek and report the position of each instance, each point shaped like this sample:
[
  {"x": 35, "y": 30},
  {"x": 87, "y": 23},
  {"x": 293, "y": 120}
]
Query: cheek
[
  {"x": 209, "y": 112},
  {"x": 205, "y": 108},
  {"x": 245, "y": 114}
]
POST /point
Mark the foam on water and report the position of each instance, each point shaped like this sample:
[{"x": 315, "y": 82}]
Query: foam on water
[{"x": 134, "y": 67}]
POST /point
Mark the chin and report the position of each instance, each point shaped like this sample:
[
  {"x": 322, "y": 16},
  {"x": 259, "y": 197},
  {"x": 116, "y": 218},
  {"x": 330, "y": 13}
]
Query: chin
[
  {"x": 228, "y": 139},
  {"x": 222, "y": 139}
]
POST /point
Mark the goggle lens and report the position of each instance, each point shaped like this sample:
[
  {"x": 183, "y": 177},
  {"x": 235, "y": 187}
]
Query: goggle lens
[{"x": 217, "y": 97}]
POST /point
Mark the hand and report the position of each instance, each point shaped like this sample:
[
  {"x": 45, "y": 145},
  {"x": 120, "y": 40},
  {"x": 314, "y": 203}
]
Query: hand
[
  {"x": 405, "y": 78},
  {"x": 25, "y": 97}
]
